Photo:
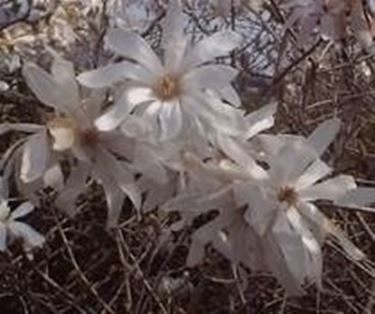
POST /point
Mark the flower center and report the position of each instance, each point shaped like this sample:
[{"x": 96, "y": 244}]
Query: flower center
[
  {"x": 89, "y": 137},
  {"x": 66, "y": 133},
  {"x": 288, "y": 195},
  {"x": 63, "y": 132},
  {"x": 167, "y": 87}
]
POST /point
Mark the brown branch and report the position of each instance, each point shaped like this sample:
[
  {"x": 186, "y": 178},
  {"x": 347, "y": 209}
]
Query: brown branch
[
  {"x": 76, "y": 266},
  {"x": 140, "y": 273}
]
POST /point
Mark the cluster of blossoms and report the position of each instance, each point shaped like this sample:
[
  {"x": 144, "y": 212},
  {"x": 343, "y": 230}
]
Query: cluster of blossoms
[
  {"x": 170, "y": 134},
  {"x": 74, "y": 26},
  {"x": 332, "y": 19}
]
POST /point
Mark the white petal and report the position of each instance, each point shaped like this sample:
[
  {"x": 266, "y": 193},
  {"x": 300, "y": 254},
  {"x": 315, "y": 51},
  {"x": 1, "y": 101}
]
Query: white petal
[
  {"x": 145, "y": 162},
  {"x": 93, "y": 102},
  {"x": 286, "y": 256},
  {"x": 118, "y": 143},
  {"x": 324, "y": 135},
  {"x": 174, "y": 42},
  {"x": 360, "y": 25},
  {"x": 184, "y": 202},
  {"x": 360, "y": 197},
  {"x": 229, "y": 94},
  {"x": 154, "y": 193},
  {"x": 31, "y": 237},
  {"x": 107, "y": 163},
  {"x": 3, "y": 237},
  {"x": 349, "y": 247},
  {"x": 216, "y": 114},
  {"x": 22, "y": 210},
  {"x": 4, "y": 210},
  {"x": 217, "y": 45},
  {"x": 113, "y": 73},
  {"x": 235, "y": 151},
  {"x": 309, "y": 242},
  {"x": 116, "y": 114},
  {"x": 74, "y": 186},
  {"x": 260, "y": 120},
  {"x": 134, "y": 127},
  {"x": 271, "y": 145},
  {"x": 35, "y": 157},
  {"x": 139, "y": 95},
  {"x": 130, "y": 45},
  {"x": 197, "y": 202},
  {"x": 315, "y": 218},
  {"x": 221, "y": 116},
  {"x": 63, "y": 74},
  {"x": 154, "y": 171},
  {"x": 212, "y": 76},
  {"x": 54, "y": 177},
  {"x": 149, "y": 121},
  {"x": 170, "y": 116},
  {"x": 157, "y": 193},
  {"x": 173, "y": 28},
  {"x": 291, "y": 162},
  {"x": 312, "y": 212},
  {"x": 332, "y": 189},
  {"x": 21, "y": 127},
  {"x": 261, "y": 214},
  {"x": 200, "y": 238},
  {"x": 314, "y": 173},
  {"x": 237, "y": 242},
  {"x": 115, "y": 200},
  {"x": 4, "y": 189},
  {"x": 112, "y": 118},
  {"x": 46, "y": 88}
]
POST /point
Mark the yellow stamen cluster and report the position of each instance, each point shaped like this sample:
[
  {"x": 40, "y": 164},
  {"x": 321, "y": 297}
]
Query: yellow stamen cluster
[
  {"x": 167, "y": 87},
  {"x": 288, "y": 195}
]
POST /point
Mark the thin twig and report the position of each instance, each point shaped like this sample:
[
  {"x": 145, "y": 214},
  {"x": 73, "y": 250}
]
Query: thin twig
[
  {"x": 78, "y": 269},
  {"x": 140, "y": 272}
]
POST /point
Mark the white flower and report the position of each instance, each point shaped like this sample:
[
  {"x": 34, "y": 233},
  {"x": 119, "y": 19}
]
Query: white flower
[
  {"x": 173, "y": 156},
  {"x": 289, "y": 188},
  {"x": 30, "y": 157},
  {"x": 11, "y": 228},
  {"x": 171, "y": 94},
  {"x": 280, "y": 251},
  {"x": 256, "y": 122},
  {"x": 292, "y": 183},
  {"x": 71, "y": 132},
  {"x": 332, "y": 18},
  {"x": 274, "y": 205}
]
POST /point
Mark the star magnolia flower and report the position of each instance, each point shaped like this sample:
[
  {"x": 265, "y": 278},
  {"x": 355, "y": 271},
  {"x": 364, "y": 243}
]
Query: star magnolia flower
[
  {"x": 192, "y": 141},
  {"x": 290, "y": 186},
  {"x": 11, "y": 228},
  {"x": 332, "y": 18},
  {"x": 232, "y": 235},
  {"x": 171, "y": 94},
  {"x": 71, "y": 132},
  {"x": 277, "y": 204}
]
